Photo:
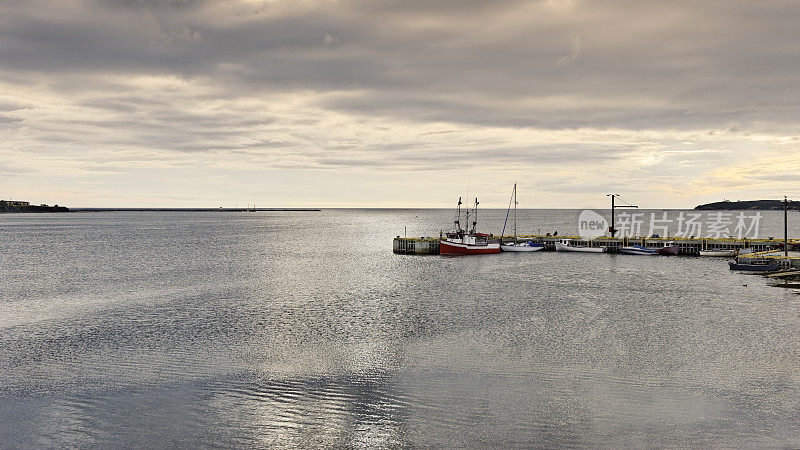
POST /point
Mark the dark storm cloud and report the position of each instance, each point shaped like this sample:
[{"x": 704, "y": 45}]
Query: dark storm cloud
[{"x": 636, "y": 64}]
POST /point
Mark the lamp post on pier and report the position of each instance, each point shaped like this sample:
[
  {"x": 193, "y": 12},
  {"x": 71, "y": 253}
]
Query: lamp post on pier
[
  {"x": 785, "y": 226},
  {"x": 613, "y": 206}
]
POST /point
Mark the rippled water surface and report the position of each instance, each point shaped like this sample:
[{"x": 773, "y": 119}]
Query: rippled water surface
[{"x": 153, "y": 329}]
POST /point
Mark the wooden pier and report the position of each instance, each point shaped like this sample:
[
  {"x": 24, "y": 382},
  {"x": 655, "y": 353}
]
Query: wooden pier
[
  {"x": 416, "y": 246},
  {"x": 686, "y": 246}
]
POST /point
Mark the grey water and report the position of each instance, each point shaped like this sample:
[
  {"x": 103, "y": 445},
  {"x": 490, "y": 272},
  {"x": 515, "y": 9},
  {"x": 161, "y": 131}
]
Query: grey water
[{"x": 303, "y": 329}]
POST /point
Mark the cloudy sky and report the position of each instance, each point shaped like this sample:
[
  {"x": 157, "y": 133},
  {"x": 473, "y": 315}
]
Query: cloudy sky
[{"x": 398, "y": 103}]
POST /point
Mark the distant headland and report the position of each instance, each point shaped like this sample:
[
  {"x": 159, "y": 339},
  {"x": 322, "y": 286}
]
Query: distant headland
[
  {"x": 766, "y": 205},
  {"x": 16, "y": 206},
  {"x": 194, "y": 209}
]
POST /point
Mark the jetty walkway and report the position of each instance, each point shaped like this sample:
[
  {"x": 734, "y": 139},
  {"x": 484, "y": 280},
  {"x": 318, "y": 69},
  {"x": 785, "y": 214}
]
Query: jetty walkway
[{"x": 686, "y": 246}]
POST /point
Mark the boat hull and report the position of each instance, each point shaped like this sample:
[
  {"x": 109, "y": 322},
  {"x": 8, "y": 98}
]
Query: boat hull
[
  {"x": 457, "y": 248},
  {"x": 568, "y": 248},
  {"x": 520, "y": 248},
  {"x": 724, "y": 253},
  {"x": 754, "y": 267},
  {"x": 638, "y": 251},
  {"x": 670, "y": 250}
]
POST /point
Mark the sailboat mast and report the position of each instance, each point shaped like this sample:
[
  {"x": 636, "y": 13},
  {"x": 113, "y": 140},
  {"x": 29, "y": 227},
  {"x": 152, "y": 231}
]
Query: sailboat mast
[{"x": 515, "y": 213}]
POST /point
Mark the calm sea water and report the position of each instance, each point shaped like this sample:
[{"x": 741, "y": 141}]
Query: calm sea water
[{"x": 155, "y": 329}]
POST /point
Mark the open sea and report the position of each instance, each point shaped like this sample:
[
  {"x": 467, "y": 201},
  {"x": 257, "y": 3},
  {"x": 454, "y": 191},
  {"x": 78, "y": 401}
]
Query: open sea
[{"x": 303, "y": 329}]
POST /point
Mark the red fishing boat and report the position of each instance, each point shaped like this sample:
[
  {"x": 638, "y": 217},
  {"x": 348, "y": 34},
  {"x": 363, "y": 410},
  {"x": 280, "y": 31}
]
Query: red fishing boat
[{"x": 463, "y": 242}]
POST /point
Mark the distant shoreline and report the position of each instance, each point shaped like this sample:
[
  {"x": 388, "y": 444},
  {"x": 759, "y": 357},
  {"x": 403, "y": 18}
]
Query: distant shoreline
[
  {"x": 10, "y": 208},
  {"x": 763, "y": 205},
  {"x": 194, "y": 209}
]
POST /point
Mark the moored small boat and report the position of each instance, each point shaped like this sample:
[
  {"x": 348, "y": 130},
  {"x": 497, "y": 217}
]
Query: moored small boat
[
  {"x": 516, "y": 246},
  {"x": 755, "y": 265},
  {"x": 723, "y": 253},
  {"x": 566, "y": 246},
  {"x": 467, "y": 244},
  {"x": 638, "y": 250},
  {"x": 669, "y": 249},
  {"x": 521, "y": 247}
]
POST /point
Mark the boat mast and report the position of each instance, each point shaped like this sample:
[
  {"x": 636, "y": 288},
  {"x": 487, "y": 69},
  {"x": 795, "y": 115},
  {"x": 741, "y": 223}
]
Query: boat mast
[
  {"x": 457, "y": 223},
  {"x": 515, "y": 213},
  {"x": 475, "y": 219}
]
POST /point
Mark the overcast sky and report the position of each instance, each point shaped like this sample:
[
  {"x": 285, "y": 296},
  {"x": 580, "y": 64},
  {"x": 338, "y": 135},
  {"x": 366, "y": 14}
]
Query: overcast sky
[{"x": 398, "y": 103}]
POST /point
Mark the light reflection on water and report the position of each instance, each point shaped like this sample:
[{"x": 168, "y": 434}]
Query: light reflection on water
[{"x": 285, "y": 329}]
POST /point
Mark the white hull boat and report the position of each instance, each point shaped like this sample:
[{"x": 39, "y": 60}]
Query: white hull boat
[
  {"x": 523, "y": 247},
  {"x": 517, "y": 246},
  {"x": 566, "y": 247},
  {"x": 723, "y": 253},
  {"x": 467, "y": 245},
  {"x": 638, "y": 250}
]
